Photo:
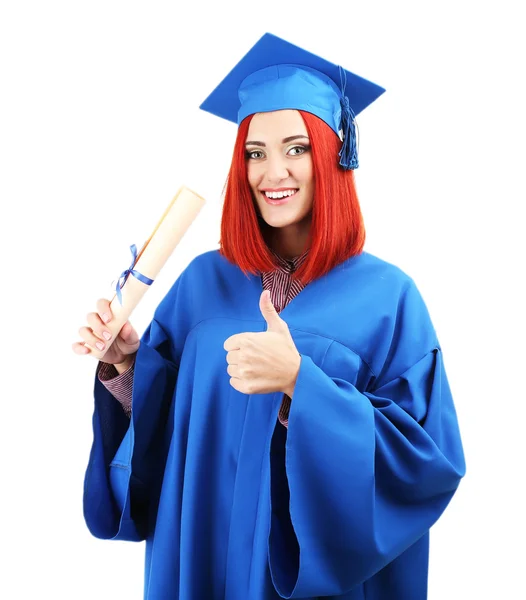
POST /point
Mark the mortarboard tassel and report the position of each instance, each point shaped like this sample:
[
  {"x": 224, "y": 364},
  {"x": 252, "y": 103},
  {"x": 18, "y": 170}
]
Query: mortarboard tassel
[{"x": 349, "y": 150}]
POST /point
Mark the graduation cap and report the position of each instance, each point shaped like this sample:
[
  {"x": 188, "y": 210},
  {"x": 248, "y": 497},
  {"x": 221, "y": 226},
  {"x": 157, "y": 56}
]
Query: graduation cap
[{"x": 275, "y": 75}]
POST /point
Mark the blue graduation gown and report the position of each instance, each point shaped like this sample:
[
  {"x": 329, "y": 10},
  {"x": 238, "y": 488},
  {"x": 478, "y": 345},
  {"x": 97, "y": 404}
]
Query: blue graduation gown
[{"x": 233, "y": 505}]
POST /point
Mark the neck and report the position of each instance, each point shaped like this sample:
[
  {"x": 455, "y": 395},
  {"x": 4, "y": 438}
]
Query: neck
[{"x": 288, "y": 242}]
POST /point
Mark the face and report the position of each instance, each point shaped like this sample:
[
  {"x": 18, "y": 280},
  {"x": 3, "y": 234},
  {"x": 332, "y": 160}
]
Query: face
[{"x": 279, "y": 168}]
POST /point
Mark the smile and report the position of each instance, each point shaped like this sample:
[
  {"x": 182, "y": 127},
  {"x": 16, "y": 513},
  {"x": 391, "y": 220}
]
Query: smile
[{"x": 280, "y": 197}]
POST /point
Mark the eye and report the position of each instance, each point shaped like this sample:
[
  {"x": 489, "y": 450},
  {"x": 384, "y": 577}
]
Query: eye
[
  {"x": 297, "y": 150},
  {"x": 254, "y": 154}
]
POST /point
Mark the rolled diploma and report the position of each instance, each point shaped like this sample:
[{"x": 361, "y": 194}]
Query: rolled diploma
[{"x": 172, "y": 226}]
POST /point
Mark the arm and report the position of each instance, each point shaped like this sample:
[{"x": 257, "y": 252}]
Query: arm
[
  {"x": 284, "y": 410},
  {"x": 359, "y": 476},
  {"x": 118, "y": 380},
  {"x": 128, "y": 454}
]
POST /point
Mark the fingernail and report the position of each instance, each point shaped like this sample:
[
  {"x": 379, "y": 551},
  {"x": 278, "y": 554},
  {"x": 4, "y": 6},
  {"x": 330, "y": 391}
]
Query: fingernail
[
  {"x": 100, "y": 345},
  {"x": 106, "y": 335},
  {"x": 106, "y": 317}
]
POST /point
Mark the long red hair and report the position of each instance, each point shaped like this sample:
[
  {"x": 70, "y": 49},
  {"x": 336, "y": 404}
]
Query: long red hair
[{"x": 337, "y": 229}]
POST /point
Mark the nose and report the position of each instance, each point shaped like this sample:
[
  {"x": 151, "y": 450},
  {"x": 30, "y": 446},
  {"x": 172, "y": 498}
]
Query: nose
[{"x": 277, "y": 168}]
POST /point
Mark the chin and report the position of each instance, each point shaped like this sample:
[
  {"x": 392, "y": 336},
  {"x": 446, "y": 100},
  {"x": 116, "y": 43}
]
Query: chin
[{"x": 279, "y": 221}]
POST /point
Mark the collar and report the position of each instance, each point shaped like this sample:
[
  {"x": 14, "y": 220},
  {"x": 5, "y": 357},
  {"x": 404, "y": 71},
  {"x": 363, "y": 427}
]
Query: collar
[{"x": 290, "y": 264}]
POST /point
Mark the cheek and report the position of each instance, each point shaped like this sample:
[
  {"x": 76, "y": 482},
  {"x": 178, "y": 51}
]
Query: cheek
[
  {"x": 306, "y": 173},
  {"x": 308, "y": 183},
  {"x": 253, "y": 175}
]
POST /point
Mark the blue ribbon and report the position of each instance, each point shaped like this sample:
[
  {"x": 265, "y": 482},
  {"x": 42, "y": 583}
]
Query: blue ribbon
[{"x": 131, "y": 271}]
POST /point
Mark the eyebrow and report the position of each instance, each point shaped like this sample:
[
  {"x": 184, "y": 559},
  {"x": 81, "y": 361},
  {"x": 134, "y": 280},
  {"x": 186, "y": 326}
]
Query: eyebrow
[{"x": 283, "y": 141}]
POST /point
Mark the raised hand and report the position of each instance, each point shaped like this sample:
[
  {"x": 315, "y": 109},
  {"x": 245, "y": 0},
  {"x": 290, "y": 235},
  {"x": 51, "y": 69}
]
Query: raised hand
[{"x": 263, "y": 362}]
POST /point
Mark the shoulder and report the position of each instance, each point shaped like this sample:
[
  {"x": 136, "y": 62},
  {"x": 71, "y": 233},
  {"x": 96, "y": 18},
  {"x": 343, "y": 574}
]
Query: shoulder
[
  {"x": 202, "y": 268},
  {"x": 379, "y": 267},
  {"x": 399, "y": 324},
  {"x": 187, "y": 301},
  {"x": 390, "y": 296},
  {"x": 207, "y": 262},
  {"x": 196, "y": 273},
  {"x": 206, "y": 273},
  {"x": 370, "y": 274}
]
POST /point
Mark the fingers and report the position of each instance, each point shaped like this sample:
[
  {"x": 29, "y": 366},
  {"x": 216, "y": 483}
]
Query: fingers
[
  {"x": 127, "y": 332},
  {"x": 95, "y": 334},
  {"x": 104, "y": 310},
  {"x": 80, "y": 348},
  {"x": 89, "y": 337},
  {"x": 232, "y": 357},
  {"x": 98, "y": 327},
  {"x": 235, "y": 371}
]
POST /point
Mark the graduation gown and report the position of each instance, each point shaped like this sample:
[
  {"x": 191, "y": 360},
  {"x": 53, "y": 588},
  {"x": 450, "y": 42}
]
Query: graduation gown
[{"x": 233, "y": 505}]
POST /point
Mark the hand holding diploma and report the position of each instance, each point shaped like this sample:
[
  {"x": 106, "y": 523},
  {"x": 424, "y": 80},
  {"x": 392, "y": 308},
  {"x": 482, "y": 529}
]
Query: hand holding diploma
[
  {"x": 101, "y": 333},
  {"x": 120, "y": 351}
]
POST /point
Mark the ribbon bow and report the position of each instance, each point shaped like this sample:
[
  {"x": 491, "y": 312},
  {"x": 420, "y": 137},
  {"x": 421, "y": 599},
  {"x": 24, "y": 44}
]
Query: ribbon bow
[{"x": 130, "y": 271}]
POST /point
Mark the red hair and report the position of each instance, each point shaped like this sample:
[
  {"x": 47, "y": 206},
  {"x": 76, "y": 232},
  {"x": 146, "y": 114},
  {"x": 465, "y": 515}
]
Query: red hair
[{"x": 337, "y": 229}]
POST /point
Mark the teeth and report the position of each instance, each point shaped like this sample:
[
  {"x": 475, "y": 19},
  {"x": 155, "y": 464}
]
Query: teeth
[{"x": 280, "y": 194}]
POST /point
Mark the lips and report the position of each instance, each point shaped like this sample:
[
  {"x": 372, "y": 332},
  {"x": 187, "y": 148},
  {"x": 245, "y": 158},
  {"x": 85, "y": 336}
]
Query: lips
[{"x": 278, "y": 201}]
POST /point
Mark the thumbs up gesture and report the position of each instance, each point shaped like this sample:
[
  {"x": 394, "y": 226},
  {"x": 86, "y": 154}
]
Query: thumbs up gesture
[{"x": 263, "y": 362}]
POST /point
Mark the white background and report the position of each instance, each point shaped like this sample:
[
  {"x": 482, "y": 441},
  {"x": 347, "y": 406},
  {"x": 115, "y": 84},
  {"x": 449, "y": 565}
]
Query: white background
[{"x": 99, "y": 127}]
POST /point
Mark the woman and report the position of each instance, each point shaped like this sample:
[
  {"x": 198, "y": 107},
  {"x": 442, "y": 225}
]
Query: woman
[{"x": 299, "y": 445}]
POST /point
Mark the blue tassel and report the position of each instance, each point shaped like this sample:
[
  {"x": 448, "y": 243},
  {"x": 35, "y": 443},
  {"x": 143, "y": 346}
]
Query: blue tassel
[{"x": 349, "y": 151}]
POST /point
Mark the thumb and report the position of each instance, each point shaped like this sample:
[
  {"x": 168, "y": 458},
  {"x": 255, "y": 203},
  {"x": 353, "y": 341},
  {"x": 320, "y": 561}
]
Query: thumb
[
  {"x": 274, "y": 321},
  {"x": 128, "y": 333}
]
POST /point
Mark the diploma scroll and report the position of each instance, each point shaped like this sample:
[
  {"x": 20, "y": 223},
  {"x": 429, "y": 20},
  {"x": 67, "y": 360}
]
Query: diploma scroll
[{"x": 169, "y": 231}]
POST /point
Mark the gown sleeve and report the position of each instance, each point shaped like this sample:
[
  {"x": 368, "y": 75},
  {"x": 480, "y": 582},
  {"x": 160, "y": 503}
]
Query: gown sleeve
[
  {"x": 360, "y": 476},
  {"x": 128, "y": 453}
]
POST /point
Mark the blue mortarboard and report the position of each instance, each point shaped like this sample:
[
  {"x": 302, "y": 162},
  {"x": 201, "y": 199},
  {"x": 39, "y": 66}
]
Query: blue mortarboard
[{"x": 276, "y": 75}]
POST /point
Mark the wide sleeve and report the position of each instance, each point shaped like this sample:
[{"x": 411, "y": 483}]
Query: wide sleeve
[
  {"x": 359, "y": 477},
  {"x": 128, "y": 455}
]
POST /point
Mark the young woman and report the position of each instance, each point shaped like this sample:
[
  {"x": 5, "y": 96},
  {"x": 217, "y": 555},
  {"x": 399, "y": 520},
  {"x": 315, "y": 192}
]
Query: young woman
[{"x": 284, "y": 428}]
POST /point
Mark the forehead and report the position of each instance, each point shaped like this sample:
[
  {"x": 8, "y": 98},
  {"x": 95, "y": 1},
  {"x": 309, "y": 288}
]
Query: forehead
[{"x": 276, "y": 124}]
